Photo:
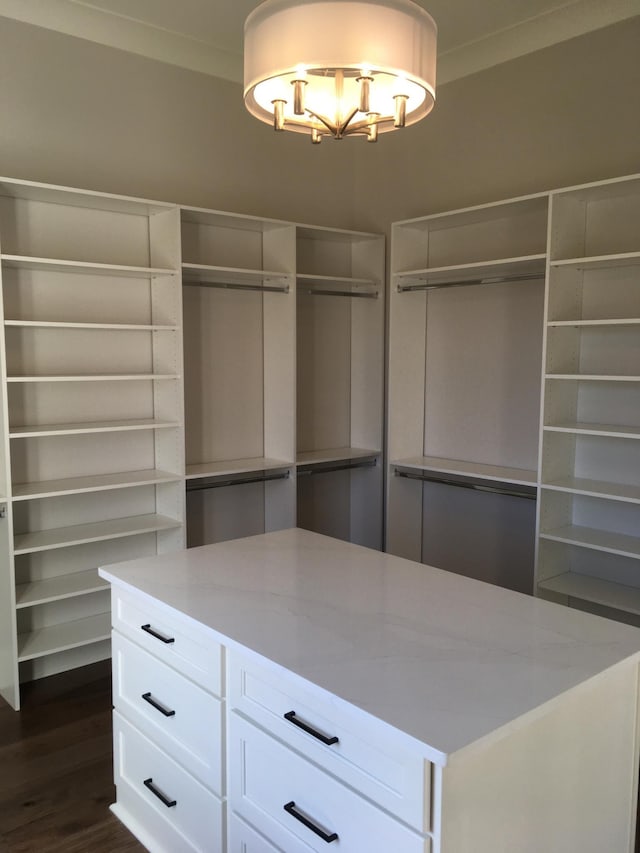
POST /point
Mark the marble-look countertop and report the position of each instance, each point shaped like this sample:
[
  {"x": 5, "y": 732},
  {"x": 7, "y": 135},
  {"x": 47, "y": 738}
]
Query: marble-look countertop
[{"x": 447, "y": 660}]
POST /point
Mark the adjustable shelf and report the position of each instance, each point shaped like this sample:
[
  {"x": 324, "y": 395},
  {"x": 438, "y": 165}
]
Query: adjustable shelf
[
  {"x": 44, "y": 430},
  {"x": 592, "y": 377},
  {"x": 485, "y": 272},
  {"x": 594, "y": 590},
  {"x": 620, "y": 321},
  {"x": 599, "y": 262},
  {"x": 231, "y": 467},
  {"x": 25, "y": 262},
  {"x": 604, "y": 430},
  {"x": 207, "y": 275},
  {"x": 60, "y": 638},
  {"x": 335, "y": 454},
  {"x": 121, "y": 377},
  {"x": 597, "y": 540},
  {"x": 123, "y": 327},
  {"x": 473, "y": 470},
  {"x": 59, "y": 588},
  {"x": 79, "y": 534},
  {"x": 594, "y": 488},
  {"x": 97, "y": 483}
]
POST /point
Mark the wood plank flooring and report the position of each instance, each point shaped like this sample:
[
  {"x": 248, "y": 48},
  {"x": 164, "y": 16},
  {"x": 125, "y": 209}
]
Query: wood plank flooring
[{"x": 56, "y": 771}]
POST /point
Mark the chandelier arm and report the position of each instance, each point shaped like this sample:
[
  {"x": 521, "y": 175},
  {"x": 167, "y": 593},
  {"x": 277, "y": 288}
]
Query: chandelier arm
[
  {"x": 341, "y": 130},
  {"x": 332, "y": 128}
]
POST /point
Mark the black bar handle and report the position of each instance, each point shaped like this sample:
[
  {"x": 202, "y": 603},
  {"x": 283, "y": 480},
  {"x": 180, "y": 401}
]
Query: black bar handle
[
  {"x": 325, "y": 836},
  {"x": 155, "y": 704},
  {"x": 291, "y": 717},
  {"x": 148, "y": 783},
  {"x": 157, "y": 635}
]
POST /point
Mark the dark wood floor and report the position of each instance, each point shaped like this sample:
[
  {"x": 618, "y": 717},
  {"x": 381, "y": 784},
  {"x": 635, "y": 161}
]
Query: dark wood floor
[{"x": 56, "y": 773}]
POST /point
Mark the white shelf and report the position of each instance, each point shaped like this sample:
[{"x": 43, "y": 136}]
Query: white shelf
[
  {"x": 618, "y": 321},
  {"x": 24, "y": 262},
  {"x": 595, "y": 590},
  {"x": 336, "y": 281},
  {"x": 58, "y": 588},
  {"x": 117, "y": 377},
  {"x": 59, "y": 638},
  {"x": 97, "y": 483},
  {"x": 229, "y": 467},
  {"x": 592, "y": 377},
  {"x": 598, "y": 262},
  {"x": 202, "y": 273},
  {"x": 484, "y": 272},
  {"x": 80, "y": 534},
  {"x": 595, "y": 488},
  {"x": 596, "y": 540},
  {"x": 334, "y": 454},
  {"x": 475, "y": 470},
  {"x": 124, "y": 327},
  {"x": 39, "y": 431},
  {"x": 17, "y": 188},
  {"x": 605, "y": 430}
]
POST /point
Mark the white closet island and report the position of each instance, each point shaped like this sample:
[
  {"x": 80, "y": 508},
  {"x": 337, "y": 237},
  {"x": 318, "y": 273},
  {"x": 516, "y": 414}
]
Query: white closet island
[{"x": 293, "y": 692}]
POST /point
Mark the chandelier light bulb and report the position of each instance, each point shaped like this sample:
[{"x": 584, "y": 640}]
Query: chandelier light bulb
[{"x": 340, "y": 67}]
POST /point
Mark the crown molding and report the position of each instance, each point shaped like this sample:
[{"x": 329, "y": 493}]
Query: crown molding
[
  {"x": 558, "y": 25},
  {"x": 96, "y": 25},
  {"x": 74, "y": 18}
]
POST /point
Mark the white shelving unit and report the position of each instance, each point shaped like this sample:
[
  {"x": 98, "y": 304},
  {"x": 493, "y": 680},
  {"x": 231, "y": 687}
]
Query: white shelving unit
[
  {"x": 465, "y": 350},
  {"x": 92, "y": 458},
  {"x": 238, "y": 275},
  {"x": 340, "y": 382},
  {"x": 589, "y": 515}
]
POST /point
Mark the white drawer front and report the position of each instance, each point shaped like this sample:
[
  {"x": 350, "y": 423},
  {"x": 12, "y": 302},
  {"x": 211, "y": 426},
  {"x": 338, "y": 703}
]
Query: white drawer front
[
  {"x": 190, "y": 650},
  {"x": 245, "y": 839},
  {"x": 367, "y": 755},
  {"x": 181, "y": 718},
  {"x": 265, "y": 776},
  {"x": 174, "y": 795}
]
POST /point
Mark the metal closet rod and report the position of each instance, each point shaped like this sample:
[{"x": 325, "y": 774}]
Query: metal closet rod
[
  {"x": 199, "y": 485},
  {"x": 230, "y": 285},
  {"x": 351, "y": 293},
  {"x": 346, "y": 466},
  {"x": 437, "y": 285},
  {"x": 478, "y": 487}
]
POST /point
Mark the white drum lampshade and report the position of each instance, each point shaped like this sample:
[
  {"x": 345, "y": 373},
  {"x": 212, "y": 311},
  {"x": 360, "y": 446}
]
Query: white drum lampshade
[{"x": 339, "y": 67}]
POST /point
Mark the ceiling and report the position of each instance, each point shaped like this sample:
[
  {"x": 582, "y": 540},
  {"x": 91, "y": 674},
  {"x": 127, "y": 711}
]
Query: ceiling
[{"x": 206, "y": 35}]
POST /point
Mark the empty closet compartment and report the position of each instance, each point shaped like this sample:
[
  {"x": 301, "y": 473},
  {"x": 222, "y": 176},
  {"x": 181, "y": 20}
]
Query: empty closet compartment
[
  {"x": 597, "y": 220},
  {"x": 592, "y": 406},
  {"x": 479, "y": 236},
  {"x": 340, "y": 373},
  {"x": 597, "y": 292},
  {"x": 597, "y": 463},
  {"x": 605, "y": 350},
  {"x": 239, "y": 359}
]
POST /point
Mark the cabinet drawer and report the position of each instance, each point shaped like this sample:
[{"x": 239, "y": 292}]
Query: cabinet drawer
[
  {"x": 368, "y": 755},
  {"x": 184, "y": 720},
  {"x": 183, "y": 645},
  {"x": 276, "y": 790},
  {"x": 171, "y": 793},
  {"x": 245, "y": 839}
]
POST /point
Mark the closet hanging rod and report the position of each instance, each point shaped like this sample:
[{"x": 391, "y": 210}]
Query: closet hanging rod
[
  {"x": 201, "y": 485},
  {"x": 346, "y": 466},
  {"x": 478, "y": 487},
  {"x": 353, "y": 293},
  {"x": 437, "y": 285},
  {"x": 230, "y": 285}
]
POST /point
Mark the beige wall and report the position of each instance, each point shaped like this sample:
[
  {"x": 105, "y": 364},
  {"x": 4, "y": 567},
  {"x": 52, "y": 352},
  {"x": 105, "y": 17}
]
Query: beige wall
[
  {"x": 80, "y": 114},
  {"x": 564, "y": 115}
]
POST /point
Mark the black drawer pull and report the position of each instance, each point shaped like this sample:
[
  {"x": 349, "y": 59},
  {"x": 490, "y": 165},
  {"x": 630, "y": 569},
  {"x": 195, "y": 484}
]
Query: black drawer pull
[
  {"x": 155, "y": 704},
  {"x": 148, "y": 783},
  {"x": 291, "y": 717},
  {"x": 155, "y": 634},
  {"x": 325, "y": 836}
]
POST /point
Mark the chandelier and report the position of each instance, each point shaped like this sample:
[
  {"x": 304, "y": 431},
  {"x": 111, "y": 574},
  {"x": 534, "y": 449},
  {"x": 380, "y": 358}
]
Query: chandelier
[{"x": 339, "y": 67}]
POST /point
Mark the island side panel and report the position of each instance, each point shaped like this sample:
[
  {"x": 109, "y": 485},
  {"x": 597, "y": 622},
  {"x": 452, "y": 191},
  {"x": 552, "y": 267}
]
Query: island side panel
[{"x": 566, "y": 781}]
